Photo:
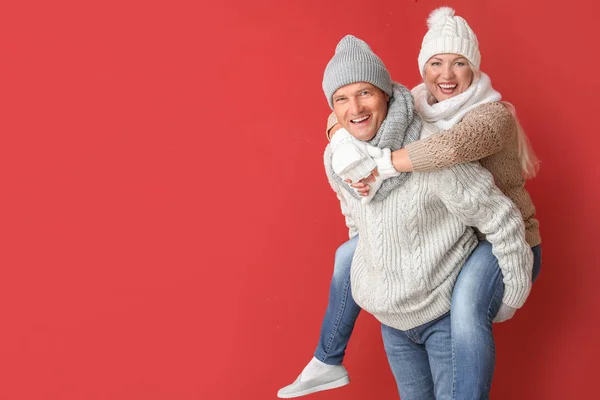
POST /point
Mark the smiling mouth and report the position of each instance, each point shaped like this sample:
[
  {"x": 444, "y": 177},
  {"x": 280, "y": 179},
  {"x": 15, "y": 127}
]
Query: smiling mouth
[
  {"x": 447, "y": 88},
  {"x": 360, "y": 120}
]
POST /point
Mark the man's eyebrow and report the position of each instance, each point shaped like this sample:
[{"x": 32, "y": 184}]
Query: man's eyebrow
[{"x": 362, "y": 89}]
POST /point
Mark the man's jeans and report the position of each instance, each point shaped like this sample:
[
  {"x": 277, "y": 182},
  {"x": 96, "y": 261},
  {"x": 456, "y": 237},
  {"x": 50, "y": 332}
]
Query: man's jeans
[
  {"x": 475, "y": 301},
  {"x": 421, "y": 359}
]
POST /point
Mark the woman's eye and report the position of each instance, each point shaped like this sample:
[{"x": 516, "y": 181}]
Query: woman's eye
[
  {"x": 460, "y": 63},
  {"x": 435, "y": 64}
]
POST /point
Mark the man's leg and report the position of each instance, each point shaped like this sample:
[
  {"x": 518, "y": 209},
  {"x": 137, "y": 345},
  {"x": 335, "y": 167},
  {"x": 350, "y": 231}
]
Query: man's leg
[
  {"x": 438, "y": 342},
  {"x": 409, "y": 363},
  {"x": 325, "y": 371}
]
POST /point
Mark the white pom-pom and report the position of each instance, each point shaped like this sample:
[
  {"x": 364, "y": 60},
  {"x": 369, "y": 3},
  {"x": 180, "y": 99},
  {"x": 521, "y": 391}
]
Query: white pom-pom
[{"x": 438, "y": 15}]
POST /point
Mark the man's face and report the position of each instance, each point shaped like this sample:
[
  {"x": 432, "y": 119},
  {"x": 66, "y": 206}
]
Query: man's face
[{"x": 360, "y": 108}]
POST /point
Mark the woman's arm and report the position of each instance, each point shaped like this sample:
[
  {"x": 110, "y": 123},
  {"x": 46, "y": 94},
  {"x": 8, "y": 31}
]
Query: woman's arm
[
  {"x": 482, "y": 132},
  {"x": 332, "y": 126},
  {"x": 468, "y": 191}
]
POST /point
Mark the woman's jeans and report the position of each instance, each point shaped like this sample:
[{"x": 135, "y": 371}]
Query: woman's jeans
[{"x": 475, "y": 301}]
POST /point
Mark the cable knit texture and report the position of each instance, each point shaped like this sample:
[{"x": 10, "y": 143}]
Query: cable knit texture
[
  {"x": 488, "y": 134},
  {"x": 414, "y": 242}
]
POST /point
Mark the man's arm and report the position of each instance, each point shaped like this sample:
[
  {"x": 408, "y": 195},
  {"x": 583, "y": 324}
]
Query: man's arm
[
  {"x": 342, "y": 197},
  {"x": 468, "y": 191}
]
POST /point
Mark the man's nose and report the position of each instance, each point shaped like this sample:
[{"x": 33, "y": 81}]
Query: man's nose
[{"x": 355, "y": 106}]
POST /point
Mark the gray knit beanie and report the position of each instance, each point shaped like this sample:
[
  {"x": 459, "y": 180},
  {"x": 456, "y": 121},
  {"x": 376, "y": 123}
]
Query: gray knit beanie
[{"x": 353, "y": 62}]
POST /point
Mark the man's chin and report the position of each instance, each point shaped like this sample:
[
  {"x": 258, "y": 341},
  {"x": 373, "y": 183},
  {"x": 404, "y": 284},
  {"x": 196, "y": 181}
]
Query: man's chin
[
  {"x": 363, "y": 136},
  {"x": 360, "y": 134}
]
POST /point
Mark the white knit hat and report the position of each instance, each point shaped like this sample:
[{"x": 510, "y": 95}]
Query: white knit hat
[{"x": 448, "y": 34}]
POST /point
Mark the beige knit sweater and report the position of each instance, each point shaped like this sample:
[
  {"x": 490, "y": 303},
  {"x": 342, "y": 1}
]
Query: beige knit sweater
[{"x": 488, "y": 134}]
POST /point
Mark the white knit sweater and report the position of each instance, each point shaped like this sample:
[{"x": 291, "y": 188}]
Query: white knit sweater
[{"x": 413, "y": 244}]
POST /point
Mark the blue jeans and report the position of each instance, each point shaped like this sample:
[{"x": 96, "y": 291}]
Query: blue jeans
[
  {"x": 421, "y": 359},
  {"x": 342, "y": 311},
  {"x": 476, "y": 299}
]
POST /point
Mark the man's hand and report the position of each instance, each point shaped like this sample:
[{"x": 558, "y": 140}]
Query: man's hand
[
  {"x": 368, "y": 186},
  {"x": 362, "y": 187}
]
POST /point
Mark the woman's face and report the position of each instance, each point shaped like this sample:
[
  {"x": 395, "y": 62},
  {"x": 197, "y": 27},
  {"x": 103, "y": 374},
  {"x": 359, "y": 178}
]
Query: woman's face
[{"x": 447, "y": 75}]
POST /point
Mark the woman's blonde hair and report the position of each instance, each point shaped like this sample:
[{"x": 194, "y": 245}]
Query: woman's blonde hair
[{"x": 530, "y": 164}]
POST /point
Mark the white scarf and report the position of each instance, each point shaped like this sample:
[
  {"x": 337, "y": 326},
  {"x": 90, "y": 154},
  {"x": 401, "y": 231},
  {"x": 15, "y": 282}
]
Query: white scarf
[{"x": 445, "y": 114}]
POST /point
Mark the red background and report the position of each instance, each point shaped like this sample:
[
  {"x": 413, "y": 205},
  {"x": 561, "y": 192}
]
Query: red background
[{"x": 167, "y": 229}]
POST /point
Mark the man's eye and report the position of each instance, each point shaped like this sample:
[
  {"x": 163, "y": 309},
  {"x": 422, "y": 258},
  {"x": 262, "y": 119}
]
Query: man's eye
[
  {"x": 364, "y": 93},
  {"x": 339, "y": 99}
]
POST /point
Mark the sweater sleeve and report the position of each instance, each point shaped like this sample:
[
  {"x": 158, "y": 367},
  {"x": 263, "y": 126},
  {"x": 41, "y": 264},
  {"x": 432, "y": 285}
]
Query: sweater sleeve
[
  {"x": 482, "y": 132},
  {"x": 331, "y": 121},
  {"x": 468, "y": 191},
  {"x": 342, "y": 197}
]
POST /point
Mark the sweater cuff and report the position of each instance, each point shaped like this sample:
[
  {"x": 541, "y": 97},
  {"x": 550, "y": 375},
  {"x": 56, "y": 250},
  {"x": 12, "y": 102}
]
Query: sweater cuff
[
  {"x": 515, "y": 296},
  {"x": 331, "y": 121},
  {"x": 517, "y": 282},
  {"x": 359, "y": 170},
  {"x": 419, "y": 156}
]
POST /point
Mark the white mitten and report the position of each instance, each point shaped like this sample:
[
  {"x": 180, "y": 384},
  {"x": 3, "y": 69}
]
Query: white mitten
[
  {"x": 350, "y": 159},
  {"x": 385, "y": 168},
  {"x": 505, "y": 313},
  {"x": 383, "y": 160}
]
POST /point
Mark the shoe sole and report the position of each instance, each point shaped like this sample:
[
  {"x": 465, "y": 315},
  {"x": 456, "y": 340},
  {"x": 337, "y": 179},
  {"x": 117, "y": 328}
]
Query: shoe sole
[{"x": 343, "y": 381}]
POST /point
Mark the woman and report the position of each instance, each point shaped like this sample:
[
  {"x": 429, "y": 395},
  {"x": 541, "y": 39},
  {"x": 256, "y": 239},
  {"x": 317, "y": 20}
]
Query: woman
[{"x": 454, "y": 96}]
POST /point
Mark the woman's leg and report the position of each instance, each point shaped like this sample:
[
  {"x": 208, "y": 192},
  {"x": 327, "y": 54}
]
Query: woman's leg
[
  {"x": 325, "y": 371},
  {"x": 342, "y": 311},
  {"x": 476, "y": 299},
  {"x": 537, "y": 261},
  {"x": 421, "y": 359}
]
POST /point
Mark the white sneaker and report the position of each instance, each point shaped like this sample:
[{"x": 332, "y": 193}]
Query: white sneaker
[{"x": 336, "y": 377}]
